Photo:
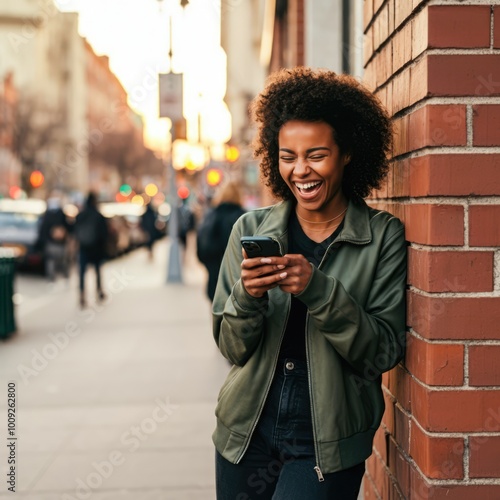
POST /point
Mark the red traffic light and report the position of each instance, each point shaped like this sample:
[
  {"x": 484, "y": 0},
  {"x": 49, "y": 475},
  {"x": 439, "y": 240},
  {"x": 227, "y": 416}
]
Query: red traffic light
[
  {"x": 36, "y": 178},
  {"x": 183, "y": 192}
]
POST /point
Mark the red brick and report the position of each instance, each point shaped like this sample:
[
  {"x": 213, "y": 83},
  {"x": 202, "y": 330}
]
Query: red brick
[
  {"x": 418, "y": 80},
  {"x": 376, "y": 470},
  {"x": 398, "y": 51},
  {"x": 455, "y": 410},
  {"x": 448, "y": 271},
  {"x": 420, "y": 33},
  {"x": 380, "y": 442},
  {"x": 434, "y": 224},
  {"x": 401, "y": 135},
  {"x": 383, "y": 65},
  {"x": 368, "y": 45},
  {"x": 463, "y": 75},
  {"x": 496, "y": 27},
  {"x": 369, "y": 490},
  {"x": 437, "y": 125},
  {"x": 401, "y": 91},
  {"x": 402, "y": 11},
  {"x": 484, "y": 368},
  {"x": 388, "y": 416},
  {"x": 402, "y": 429},
  {"x": 454, "y": 175},
  {"x": 369, "y": 76},
  {"x": 399, "y": 386},
  {"x": 486, "y": 125},
  {"x": 459, "y": 26},
  {"x": 376, "y": 5},
  {"x": 399, "y": 179},
  {"x": 390, "y": 3},
  {"x": 400, "y": 470},
  {"x": 435, "y": 364},
  {"x": 437, "y": 457},
  {"x": 484, "y": 224},
  {"x": 367, "y": 12},
  {"x": 484, "y": 461},
  {"x": 420, "y": 489},
  {"x": 454, "y": 318}
]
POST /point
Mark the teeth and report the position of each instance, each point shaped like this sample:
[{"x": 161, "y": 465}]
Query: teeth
[{"x": 308, "y": 185}]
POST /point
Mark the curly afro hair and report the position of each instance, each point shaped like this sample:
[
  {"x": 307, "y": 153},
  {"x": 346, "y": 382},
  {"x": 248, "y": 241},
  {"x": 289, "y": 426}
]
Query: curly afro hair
[{"x": 360, "y": 125}]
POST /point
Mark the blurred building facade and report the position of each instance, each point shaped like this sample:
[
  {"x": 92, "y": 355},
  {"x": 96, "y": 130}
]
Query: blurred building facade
[
  {"x": 41, "y": 47},
  {"x": 10, "y": 167},
  {"x": 262, "y": 36},
  {"x": 71, "y": 120},
  {"x": 116, "y": 144}
]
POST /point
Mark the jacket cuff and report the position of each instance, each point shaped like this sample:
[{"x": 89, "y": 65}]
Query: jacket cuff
[
  {"x": 246, "y": 301},
  {"x": 317, "y": 290}
]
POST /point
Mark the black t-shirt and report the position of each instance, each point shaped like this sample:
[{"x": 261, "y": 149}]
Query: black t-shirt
[{"x": 294, "y": 344}]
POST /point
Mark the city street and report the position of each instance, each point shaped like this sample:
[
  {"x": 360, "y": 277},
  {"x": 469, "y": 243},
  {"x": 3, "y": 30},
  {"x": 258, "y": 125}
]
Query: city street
[{"x": 115, "y": 401}]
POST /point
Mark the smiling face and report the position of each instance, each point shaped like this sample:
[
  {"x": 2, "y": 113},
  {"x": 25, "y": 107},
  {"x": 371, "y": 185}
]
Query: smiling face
[{"x": 312, "y": 165}]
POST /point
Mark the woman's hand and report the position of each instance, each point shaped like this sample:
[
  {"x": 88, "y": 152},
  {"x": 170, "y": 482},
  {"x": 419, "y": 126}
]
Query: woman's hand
[
  {"x": 260, "y": 274},
  {"x": 298, "y": 273},
  {"x": 291, "y": 273}
]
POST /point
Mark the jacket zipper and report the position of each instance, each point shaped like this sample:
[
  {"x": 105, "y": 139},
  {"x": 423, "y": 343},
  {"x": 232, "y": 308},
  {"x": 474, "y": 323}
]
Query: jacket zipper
[
  {"x": 316, "y": 467},
  {"x": 275, "y": 363}
]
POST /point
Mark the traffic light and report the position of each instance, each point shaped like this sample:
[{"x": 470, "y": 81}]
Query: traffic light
[
  {"x": 214, "y": 177},
  {"x": 125, "y": 190},
  {"x": 183, "y": 192},
  {"x": 36, "y": 179},
  {"x": 232, "y": 154}
]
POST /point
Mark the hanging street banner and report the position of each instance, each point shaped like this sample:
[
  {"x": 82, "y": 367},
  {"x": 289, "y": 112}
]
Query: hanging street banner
[{"x": 170, "y": 85}]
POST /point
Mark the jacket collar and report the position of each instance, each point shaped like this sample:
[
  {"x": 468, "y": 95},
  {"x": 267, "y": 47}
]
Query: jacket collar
[{"x": 356, "y": 228}]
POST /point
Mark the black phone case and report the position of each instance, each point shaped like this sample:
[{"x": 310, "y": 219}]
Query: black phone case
[{"x": 260, "y": 246}]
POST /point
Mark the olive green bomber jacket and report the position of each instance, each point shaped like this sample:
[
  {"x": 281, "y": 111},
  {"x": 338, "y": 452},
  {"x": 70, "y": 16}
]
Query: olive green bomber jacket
[{"x": 355, "y": 330}]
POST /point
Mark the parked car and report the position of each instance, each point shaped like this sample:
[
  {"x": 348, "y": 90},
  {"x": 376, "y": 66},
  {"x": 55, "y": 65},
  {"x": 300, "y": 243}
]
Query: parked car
[
  {"x": 125, "y": 226},
  {"x": 19, "y": 224}
]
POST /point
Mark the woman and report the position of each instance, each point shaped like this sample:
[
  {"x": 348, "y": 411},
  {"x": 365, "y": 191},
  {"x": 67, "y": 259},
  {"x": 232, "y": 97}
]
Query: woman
[
  {"x": 310, "y": 333},
  {"x": 214, "y": 231}
]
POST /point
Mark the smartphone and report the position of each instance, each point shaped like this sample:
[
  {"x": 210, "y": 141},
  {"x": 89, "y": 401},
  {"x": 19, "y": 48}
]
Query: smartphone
[{"x": 260, "y": 246}]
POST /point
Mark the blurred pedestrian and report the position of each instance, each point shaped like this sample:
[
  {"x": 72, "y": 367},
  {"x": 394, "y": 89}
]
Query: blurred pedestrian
[
  {"x": 310, "y": 332},
  {"x": 53, "y": 238},
  {"x": 213, "y": 233},
  {"x": 185, "y": 221},
  {"x": 91, "y": 232},
  {"x": 148, "y": 224}
]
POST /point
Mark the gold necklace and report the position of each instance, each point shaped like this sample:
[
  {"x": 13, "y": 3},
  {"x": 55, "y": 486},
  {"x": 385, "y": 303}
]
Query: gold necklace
[
  {"x": 323, "y": 221},
  {"x": 332, "y": 227}
]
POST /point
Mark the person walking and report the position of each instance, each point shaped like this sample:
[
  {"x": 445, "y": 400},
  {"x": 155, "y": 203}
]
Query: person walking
[
  {"x": 310, "y": 332},
  {"x": 148, "y": 224},
  {"x": 213, "y": 233},
  {"x": 91, "y": 232},
  {"x": 53, "y": 237}
]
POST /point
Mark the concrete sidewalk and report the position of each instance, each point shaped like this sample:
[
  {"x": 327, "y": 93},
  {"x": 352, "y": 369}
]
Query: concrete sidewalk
[{"x": 116, "y": 401}]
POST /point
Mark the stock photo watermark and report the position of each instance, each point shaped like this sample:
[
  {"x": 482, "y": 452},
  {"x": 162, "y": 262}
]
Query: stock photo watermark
[
  {"x": 132, "y": 438},
  {"x": 59, "y": 341}
]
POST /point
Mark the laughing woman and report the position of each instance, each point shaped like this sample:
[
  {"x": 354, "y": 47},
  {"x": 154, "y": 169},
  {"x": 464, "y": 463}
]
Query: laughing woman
[{"x": 310, "y": 332}]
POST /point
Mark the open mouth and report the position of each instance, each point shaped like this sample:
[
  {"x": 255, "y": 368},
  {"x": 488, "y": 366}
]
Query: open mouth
[{"x": 307, "y": 187}]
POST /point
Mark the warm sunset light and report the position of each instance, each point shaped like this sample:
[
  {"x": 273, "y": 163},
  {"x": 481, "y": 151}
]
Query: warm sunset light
[{"x": 138, "y": 59}]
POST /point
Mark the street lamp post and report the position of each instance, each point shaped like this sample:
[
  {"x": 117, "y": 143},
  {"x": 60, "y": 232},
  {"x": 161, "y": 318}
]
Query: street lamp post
[{"x": 174, "y": 274}]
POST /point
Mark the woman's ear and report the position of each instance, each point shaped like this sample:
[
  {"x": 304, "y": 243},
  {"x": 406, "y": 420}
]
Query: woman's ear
[{"x": 347, "y": 158}]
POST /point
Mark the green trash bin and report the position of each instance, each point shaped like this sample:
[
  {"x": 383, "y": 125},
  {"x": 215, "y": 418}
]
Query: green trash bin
[{"x": 7, "y": 271}]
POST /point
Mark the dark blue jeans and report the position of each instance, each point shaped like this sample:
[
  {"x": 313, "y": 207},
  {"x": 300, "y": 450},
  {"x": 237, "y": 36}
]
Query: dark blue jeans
[{"x": 279, "y": 462}]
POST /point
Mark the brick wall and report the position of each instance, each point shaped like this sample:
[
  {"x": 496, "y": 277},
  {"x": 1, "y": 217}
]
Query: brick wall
[{"x": 436, "y": 67}]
